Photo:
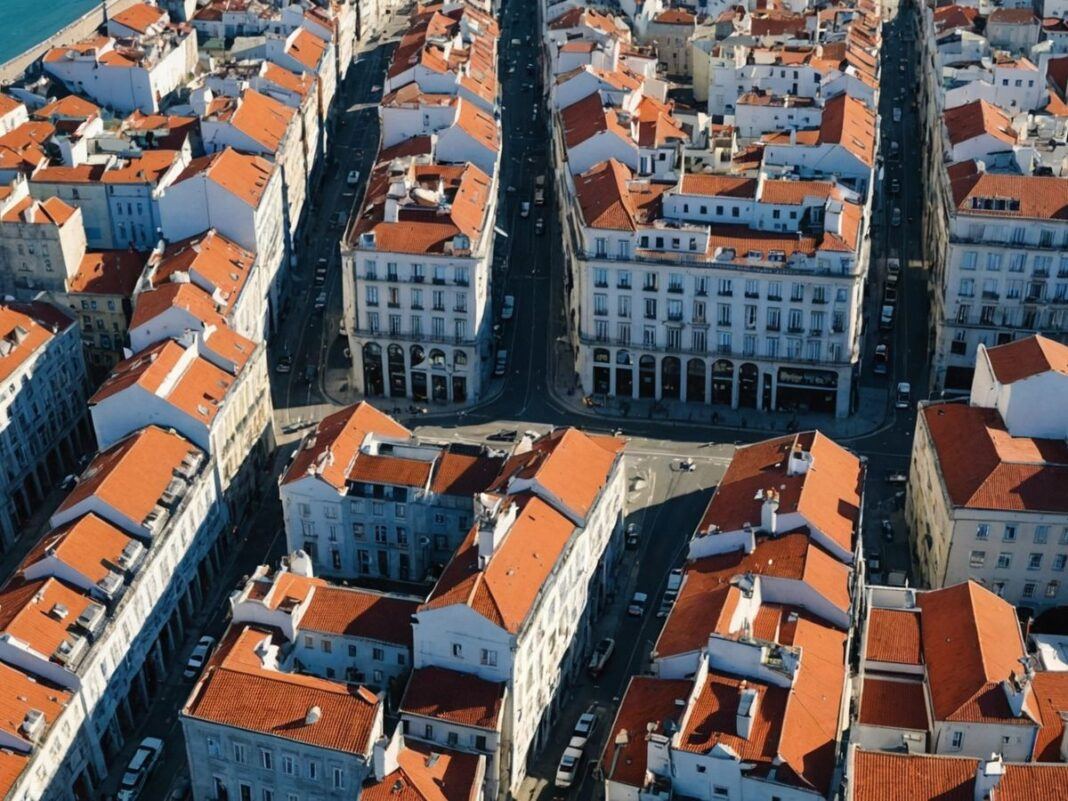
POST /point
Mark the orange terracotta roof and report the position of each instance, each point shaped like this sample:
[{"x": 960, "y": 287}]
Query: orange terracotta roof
[
  {"x": 1036, "y": 197},
  {"x": 462, "y": 474},
  {"x": 675, "y": 16},
  {"x": 571, "y": 465},
  {"x": 236, "y": 690},
  {"x": 189, "y": 297},
  {"x": 28, "y": 612},
  {"x": 1023, "y": 358},
  {"x": 589, "y": 117},
  {"x": 648, "y": 704},
  {"x": 1050, "y": 690},
  {"x": 244, "y": 176},
  {"x": 827, "y": 495},
  {"x": 427, "y": 772},
  {"x": 90, "y": 545},
  {"x": 23, "y": 148},
  {"x": 23, "y": 335},
  {"x": 132, "y": 475},
  {"x": 705, "y": 602},
  {"x": 505, "y": 590},
  {"x": 148, "y": 168},
  {"x": 108, "y": 272},
  {"x": 328, "y": 451},
  {"x": 460, "y": 698},
  {"x": 955, "y": 16},
  {"x": 984, "y": 467},
  {"x": 848, "y": 122},
  {"x": 300, "y": 84},
  {"x": 263, "y": 119},
  {"x": 9, "y": 104},
  {"x": 602, "y": 195},
  {"x": 372, "y": 469},
  {"x": 977, "y": 118},
  {"x": 718, "y": 186},
  {"x": 478, "y": 124},
  {"x": 796, "y": 193},
  {"x": 352, "y": 612},
  {"x": 971, "y": 643},
  {"x": 23, "y": 693},
  {"x": 50, "y": 211},
  {"x": 140, "y": 17},
  {"x": 1012, "y": 16},
  {"x": 894, "y": 636},
  {"x": 69, "y": 107},
  {"x": 307, "y": 49},
  {"x": 213, "y": 262},
  {"x": 885, "y": 776},
  {"x": 893, "y": 704}
]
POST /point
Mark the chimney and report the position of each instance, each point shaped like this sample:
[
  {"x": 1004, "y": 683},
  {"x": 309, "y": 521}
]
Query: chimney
[
  {"x": 300, "y": 564},
  {"x": 384, "y": 756},
  {"x": 1017, "y": 686},
  {"x": 313, "y": 716},
  {"x": 987, "y": 776},
  {"x": 494, "y": 519},
  {"x": 747, "y": 709},
  {"x": 800, "y": 461},
  {"x": 769, "y": 511}
]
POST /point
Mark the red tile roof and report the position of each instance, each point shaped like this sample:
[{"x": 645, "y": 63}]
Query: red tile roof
[
  {"x": 1036, "y": 197},
  {"x": 108, "y": 272},
  {"x": 827, "y": 495},
  {"x": 139, "y": 17},
  {"x": 244, "y": 176},
  {"x": 213, "y": 262},
  {"x": 90, "y": 545},
  {"x": 449, "y": 695},
  {"x": 50, "y": 211},
  {"x": 955, "y": 16},
  {"x": 1050, "y": 690},
  {"x": 646, "y": 701},
  {"x": 1012, "y": 16},
  {"x": 427, "y": 772},
  {"x": 25, "y": 335},
  {"x": 718, "y": 186},
  {"x": 893, "y": 636},
  {"x": 394, "y": 470},
  {"x": 893, "y": 704},
  {"x": 971, "y": 643},
  {"x": 28, "y": 612},
  {"x": 236, "y": 690},
  {"x": 69, "y": 107},
  {"x": 848, "y": 122},
  {"x": 353, "y": 612},
  {"x": 985, "y": 467},
  {"x": 462, "y": 474},
  {"x": 328, "y": 451},
  {"x": 1027, "y": 357},
  {"x": 977, "y": 118}
]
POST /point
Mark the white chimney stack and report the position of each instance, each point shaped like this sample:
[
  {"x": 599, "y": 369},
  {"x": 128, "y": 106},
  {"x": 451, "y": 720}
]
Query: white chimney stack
[
  {"x": 769, "y": 511},
  {"x": 800, "y": 461},
  {"x": 747, "y": 709},
  {"x": 384, "y": 755},
  {"x": 300, "y": 564},
  {"x": 987, "y": 776}
]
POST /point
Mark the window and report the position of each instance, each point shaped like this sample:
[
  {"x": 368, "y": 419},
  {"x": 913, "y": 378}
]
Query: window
[
  {"x": 1034, "y": 561},
  {"x": 240, "y": 754},
  {"x": 1010, "y": 533},
  {"x": 289, "y": 765},
  {"x": 458, "y": 650},
  {"x": 378, "y": 654},
  {"x": 1052, "y": 588},
  {"x": 266, "y": 794},
  {"x": 982, "y": 531},
  {"x": 266, "y": 759},
  {"x": 1041, "y": 535},
  {"x": 720, "y": 792},
  {"x": 1029, "y": 589},
  {"x": 313, "y": 771},
  {"x": 428, "y": 732},
  {"x": 1004, "y": 560},
  {"x": 956, "y": 740},
  {"x": 977, "y": 559},
  {"x": 1059, "y": 561},
  {"x": 339, "y": 779},
  {"x": 213, "y": 747},
  {"x": 480, "y": 742},
  {"x": 488, "y": 657},
  {"x": 327, "y": 645},
  {"x": 452, "y": 738}
]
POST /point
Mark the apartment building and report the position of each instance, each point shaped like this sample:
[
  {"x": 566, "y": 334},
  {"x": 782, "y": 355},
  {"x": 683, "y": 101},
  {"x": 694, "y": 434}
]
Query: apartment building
[
  {"x": 985, "y": 499},
  {"x": 425, "y": 773},
  {"x": 748, "y": 686},
  {"x": 554, "y": 516},
  {"x": 124, "y": 74},
  {"x": 210, "y": 386},
  {"x": 255, "y": 728},
  {"x": 304, "y": 53},
  {"x": 100, "y": 605},
  {"x": 241, "y": 197},
  {"x": 364, "y": 498},
  {"x": 42, "y": 242},
  {"x": 42, "y": 405}
]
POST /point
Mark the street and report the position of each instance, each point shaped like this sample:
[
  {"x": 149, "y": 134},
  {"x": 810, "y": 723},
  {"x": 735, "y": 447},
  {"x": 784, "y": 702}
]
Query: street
[{"x": 529, "y": 267}]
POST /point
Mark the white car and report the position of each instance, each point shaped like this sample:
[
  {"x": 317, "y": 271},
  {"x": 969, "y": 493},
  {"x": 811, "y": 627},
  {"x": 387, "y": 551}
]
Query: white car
[
  {"x": 199, "y": 656},
  {"x": 637, "y": 604},
  {"x": 584, "y": 728},
  {"x": 508, "y": 307},
  {"x": 569, "y": 767},
  {"x": 904, "y": 394},
  {"x": 893, "y": 271},
  {"x": 144, "y": 759},
  {"x": 320, "y": 301},
  {"x": 524, "y": 209},
  {"x": 897, "y": 114},
  {"x": 354, "y": 178}
]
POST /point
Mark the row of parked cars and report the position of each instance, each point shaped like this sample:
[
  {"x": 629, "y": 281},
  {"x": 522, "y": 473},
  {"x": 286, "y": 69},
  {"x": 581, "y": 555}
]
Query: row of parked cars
[{"x": 575, "y": 754}]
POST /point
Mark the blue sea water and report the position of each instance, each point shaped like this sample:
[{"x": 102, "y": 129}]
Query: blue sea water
[{"x": 24, "y": 23}]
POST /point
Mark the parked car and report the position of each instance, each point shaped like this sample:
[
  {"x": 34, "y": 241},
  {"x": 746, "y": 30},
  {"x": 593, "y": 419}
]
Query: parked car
[
  {"x": 508, "y": 307},
  {"x": 637, "y": 604},
  {"x": 897, "y": 114},
  {"x": 890, "y": 295},
  {"x": 539, "y": 191},
  {"x": 633, "y": 536},
  {"x": 895, "y": 149},
  {"x": 893, "y": 271},
  {"x": 285, "y": 364},
  {"x": 539, "y": 226},
  {"x": 897, "y": 477},
  {"x": 904, "y": 395},
  {"x": 895, "y": 217},
  {"x": 353, "y": 178},
  {"x": 500, "y": 364},
  {"x": 141, "y": 764},
  {"x": 886, "y": 318},
  {"x": 68, "y": 482},
  {"x": 881, "y": 361},
  {"x": 524, "y": 209},
  {"x": 895, "y": 186},
  {"x": 340, "y": 218},
  {"x": 600, "y": 656},
  {"x": 888, "y": 530},
  {"x": 674, "y": 580},
  {"x": 199, "y": 656},
  {"x": 666, "y": 603},
  {"x": 585, "y": 727},
  {"x": 569, "y": 766},
  {"x": 320, "y": 301}
]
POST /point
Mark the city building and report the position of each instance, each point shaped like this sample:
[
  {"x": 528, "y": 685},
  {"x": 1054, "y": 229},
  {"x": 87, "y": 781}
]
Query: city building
[
  {"x": 42, "y": 242},
  {"x": 364, "y": 498},
  {"x": 553, "y": 516},
  {"x": 985, "y": 497},
  {"x": 42, "y": 404},
  {"x": 124, "y": 74},
  {"x": 100, "y": 605}
]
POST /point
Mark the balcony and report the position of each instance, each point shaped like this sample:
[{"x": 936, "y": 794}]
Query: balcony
[
  {"x": 795, "y": 329},
  {"x": 622, "y": 285},
  {"x": 600, "y": 284},
  {"x": 675, "y": 289},
  {"x": 822, "y": 301},
  {"x": 674, "y": 318},
  {"x": 753, "y": 295},
  {"x": 725, "y": 293},
  {"x": 649, "y": 288},
  {"x": 991, "y": 295},
  {"x": 772, "y": 327},
  {"x": 775, "y": 298}
]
